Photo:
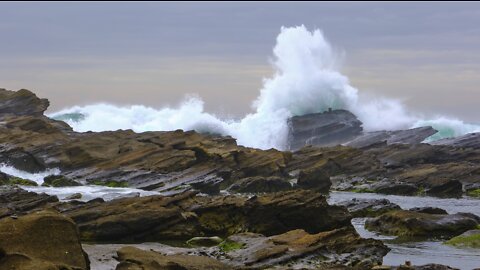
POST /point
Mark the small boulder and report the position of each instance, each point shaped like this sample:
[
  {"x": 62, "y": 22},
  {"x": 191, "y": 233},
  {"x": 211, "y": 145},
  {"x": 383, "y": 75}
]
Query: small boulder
[
  {"x": 59, "y": 181},
  {"x": 448, "y": 189},
  {"x": 74, "y": 196},
  {"x": 394, "y": 188},
  {"x": 409, "y": 223},
  {"x": 429, "y": 210},
  {"x": 315, "y": 178},
  {"x": 368, "y": 207},
  {"x": 21, "y": 182}
]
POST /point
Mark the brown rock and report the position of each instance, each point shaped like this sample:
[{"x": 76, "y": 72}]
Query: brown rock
[
  {"x": 185, "y": 215},
  {"x": 409, "y": 223},
  {"x": 21, "y": 102},
  {"x": 46, "y": 240},
  {"x": 133, "y": 258}
]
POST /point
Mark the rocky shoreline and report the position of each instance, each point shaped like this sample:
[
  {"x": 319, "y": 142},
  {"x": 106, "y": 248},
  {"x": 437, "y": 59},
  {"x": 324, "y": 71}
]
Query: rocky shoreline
[{"x": 220, "y": 205}]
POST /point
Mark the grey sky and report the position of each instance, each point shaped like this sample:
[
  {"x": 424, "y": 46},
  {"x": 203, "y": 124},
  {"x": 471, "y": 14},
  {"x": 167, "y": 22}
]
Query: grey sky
[{"x": 427, "y": 54}]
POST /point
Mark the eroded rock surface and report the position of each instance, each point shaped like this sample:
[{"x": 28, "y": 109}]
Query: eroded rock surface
[
  {"x": 409, "y": 136},
  {"x": 323, "y": 129},
  {"x": 43, "y": 240},
  {"x": 298, "y": 248},
  {"x": 368, "y": 207},
  {"x": 21, "y": 102},
  {"x": 186, "y": 215},
  {"x": 408, "y": 223},
  {"x": 15, "y": 201}
]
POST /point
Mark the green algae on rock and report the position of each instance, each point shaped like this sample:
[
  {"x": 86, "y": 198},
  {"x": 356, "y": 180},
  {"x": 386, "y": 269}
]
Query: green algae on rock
[{"x": 469, "y": 239}]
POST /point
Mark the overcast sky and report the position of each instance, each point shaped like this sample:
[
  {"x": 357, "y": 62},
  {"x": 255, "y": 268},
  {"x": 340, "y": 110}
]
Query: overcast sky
[{"x": 427, "y": 54}]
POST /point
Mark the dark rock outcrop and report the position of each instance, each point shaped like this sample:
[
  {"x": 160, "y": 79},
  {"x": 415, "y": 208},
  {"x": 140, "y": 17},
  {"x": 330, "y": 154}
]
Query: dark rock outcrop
[
  {"x": 261, "y": 184},
  {"x": 44, "y": 240},
  {"x": 429, "y": 210},
  {"x": 451, "y": 188},
  {"x": 368, "y": 207},
  {"x": 21, "y": 102},
  {"x": 342, "y": 127},
  {"x": 409, "y": 136},
  {"x": 408, "y": 223},
  {"x": 185, "y": 215},
  {"x": 470, "y": 140},
  {"x": 393, "y": 188},
  {"x": 323, "y": 129},
  {"x": 59, "y": 181},
  {"x": 299, "y": 248},
  {"x": 16, "y": 201}
]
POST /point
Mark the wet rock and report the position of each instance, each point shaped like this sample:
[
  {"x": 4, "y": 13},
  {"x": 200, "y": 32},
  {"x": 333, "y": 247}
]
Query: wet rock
[
  {"x": 210, "y": 186},
  {"x": 21, "y": 102},
  {"x": 260, "y": 184},
  {"x": 408, "y": 223},
  {"x": 315, "y": 178},
  {"x": 298, "y": 248},
  {"x": 394, "y": 188},
  {"x": 59, "y": 181},
  {"x": 74, "y": 196},
  {"x": 43, "y": 240},
  {"x": 342, "y": 127},
  {"x": 452, "y": 188},
  {"x": 409, "y": 136},
  {"x": 134, "y": 258},
  {"x": 384, "y": 186},
  {"x": 12, "y": 180},
  {"x": 368, "y": 207},
  {"x": 429, "y": 210},
  {"x": 185, "y": 215},
  {"x": 323, "y": 129},
  {"x": 470, "y": 140},
  {"x": 17, "y": 201}
]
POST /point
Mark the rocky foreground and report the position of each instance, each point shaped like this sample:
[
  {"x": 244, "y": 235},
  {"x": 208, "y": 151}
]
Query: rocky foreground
[{"x": 234, "y": 207}]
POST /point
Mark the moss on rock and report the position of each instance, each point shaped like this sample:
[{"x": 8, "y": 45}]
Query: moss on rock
[
  {"x": 229, "y": 245},
  {"x": 110, "y": 183},
  {"x": 59, "y": 181},
  {"x": 469, "y": 239},
  {"x": 474, "y": 193},
  {"x": 21, "y": 182}
]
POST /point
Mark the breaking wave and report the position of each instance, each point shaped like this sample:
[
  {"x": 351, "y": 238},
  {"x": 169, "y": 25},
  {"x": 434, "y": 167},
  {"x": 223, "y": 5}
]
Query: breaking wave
[
  {"x": 37, "y": 177},
  {"x": 306, "y": 80}
]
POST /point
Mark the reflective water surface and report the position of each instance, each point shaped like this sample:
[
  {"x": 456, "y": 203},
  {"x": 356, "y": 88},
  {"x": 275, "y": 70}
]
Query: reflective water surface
[{"x": 419, "y": 252}]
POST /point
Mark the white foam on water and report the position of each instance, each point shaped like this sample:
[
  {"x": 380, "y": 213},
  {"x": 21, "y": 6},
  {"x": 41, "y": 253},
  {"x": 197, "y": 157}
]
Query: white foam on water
[
  {"x": 88, "y": 192},
  {"x": 306, "y": 79},
  {"x": 37, "y": 177}
]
